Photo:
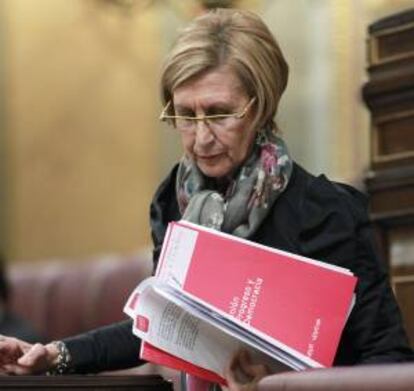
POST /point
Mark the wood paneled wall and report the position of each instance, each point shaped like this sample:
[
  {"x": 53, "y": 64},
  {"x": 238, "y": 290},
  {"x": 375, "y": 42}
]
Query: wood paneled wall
[{"x": 389, "y": 95}]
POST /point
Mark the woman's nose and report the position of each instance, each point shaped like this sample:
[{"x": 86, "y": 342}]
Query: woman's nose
[{"x": 203, "y": 134}]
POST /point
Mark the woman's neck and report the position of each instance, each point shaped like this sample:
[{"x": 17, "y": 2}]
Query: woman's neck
[{"x": 222, "y": 185}]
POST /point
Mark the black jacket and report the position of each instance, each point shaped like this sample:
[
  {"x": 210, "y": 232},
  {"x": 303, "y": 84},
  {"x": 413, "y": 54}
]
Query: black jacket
[{"x": 313, "y": 217}]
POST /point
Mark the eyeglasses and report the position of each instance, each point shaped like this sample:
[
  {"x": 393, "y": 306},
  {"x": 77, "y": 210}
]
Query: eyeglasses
[{"x": 215, "y": 122}]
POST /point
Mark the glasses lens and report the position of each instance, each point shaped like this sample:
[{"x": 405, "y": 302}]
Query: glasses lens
[
  {"x": 185, "y": 124},
  {"x": 220, "y": 123}
]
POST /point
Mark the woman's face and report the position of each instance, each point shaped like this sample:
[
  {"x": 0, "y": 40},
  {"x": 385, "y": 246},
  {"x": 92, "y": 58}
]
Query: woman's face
[{"x": 220, "y": 148}]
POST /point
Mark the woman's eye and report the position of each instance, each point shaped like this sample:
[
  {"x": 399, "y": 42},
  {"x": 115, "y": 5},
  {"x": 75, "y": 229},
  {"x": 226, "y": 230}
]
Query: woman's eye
[
  {"x": 218, "y": 111},
  {"x": 218, "y": 122},
  {"x": 184, "y": 123},
  {"x": 185, "y": 114}
]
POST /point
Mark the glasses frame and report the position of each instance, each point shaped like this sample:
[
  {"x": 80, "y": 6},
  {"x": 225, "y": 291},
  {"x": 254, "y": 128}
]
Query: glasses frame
[{"x": 239, "y": 115}]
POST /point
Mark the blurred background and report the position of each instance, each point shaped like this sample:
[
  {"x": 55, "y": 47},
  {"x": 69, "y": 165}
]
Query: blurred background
[{"x": 81, "y": 148}]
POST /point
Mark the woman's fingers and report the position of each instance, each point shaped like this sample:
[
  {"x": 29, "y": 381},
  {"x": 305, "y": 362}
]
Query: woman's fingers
[
  {"x": 10, "y": 349},
  {"x": 232, "y": 383},
  {"x": 32, "y": 355},
  {"x": 35, "y": 359},
  {"x": 15, "y": 369},
  {"x": 21, "y": 358},
  {"x": 255, "y": 371},
  {"x": 243, "y": 374}
]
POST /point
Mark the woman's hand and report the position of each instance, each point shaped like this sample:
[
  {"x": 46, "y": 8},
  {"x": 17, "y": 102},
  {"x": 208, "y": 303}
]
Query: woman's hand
[
  {"x": 243, "y": 374},
  {"x": 21, "y": 358}
]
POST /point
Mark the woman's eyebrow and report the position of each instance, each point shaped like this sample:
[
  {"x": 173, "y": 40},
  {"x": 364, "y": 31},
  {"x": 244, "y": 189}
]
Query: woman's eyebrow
[
  {"x": 183, "y": 108},
  {"x": 221, "y": 105},
  {"x": 210, "y": 106}
]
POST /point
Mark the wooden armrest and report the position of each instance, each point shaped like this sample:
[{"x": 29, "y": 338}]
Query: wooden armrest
[{"x": 390, "y": 377}]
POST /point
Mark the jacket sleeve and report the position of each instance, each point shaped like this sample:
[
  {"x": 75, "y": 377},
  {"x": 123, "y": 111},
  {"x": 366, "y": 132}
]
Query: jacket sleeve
[
  {"x": 163, "y": 209},
  {"x": 106, "y": 348},
  {"x": 336, "y": 229}
]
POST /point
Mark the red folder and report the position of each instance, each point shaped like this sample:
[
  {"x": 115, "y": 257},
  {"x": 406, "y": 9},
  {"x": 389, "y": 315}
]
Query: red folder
[
  {"x": 157, "y": 356},
  {"x": 297, "y": 303}
]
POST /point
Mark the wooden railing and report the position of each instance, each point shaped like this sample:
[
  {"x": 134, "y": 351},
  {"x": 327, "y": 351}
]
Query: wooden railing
[
  {"x": 391, "y": 377},
  {"x": 76, "y": 382}
]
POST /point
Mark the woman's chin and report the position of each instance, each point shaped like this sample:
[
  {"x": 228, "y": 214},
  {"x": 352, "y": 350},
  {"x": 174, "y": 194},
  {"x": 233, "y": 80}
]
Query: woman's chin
[{"x": 214, "y": 171}]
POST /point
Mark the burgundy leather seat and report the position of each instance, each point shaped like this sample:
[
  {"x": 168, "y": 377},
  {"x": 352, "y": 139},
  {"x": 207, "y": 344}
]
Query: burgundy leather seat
[{"x": 65, "y": 298}]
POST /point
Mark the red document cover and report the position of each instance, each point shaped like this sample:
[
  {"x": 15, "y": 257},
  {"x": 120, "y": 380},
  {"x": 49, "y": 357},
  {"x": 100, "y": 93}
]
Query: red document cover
[
  {"x": 297, "y": 303},
  {"x": 157, "y": 356}
]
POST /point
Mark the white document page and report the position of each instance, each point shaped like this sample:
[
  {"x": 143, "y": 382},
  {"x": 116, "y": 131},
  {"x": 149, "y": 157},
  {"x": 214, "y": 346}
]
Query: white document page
[{"x": 174, "y": 330}]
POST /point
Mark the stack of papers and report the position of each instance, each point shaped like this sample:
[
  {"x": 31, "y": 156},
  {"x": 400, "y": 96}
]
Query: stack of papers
[{"x": 215, "y": 293}]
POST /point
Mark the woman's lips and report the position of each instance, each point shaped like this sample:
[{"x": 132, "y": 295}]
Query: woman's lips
[{"x": 208, "y": 158}]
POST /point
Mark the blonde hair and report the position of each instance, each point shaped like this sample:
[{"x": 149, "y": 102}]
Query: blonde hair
[{"x": 237, "y": 38}]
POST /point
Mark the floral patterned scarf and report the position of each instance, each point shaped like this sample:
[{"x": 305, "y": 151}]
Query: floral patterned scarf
[{"x": 248, "y": 196}]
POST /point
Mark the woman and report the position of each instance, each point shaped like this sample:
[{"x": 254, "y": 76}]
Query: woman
[{"x": 221, "y": 85}]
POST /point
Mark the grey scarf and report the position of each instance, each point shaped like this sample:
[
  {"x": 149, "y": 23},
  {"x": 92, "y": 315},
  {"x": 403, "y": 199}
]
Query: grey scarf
[{"x": 241, "y": 207}]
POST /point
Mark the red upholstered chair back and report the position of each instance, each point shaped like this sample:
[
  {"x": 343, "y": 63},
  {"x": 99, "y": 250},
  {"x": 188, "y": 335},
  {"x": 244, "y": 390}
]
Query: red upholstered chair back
[{"x": 65, "y": 298}]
